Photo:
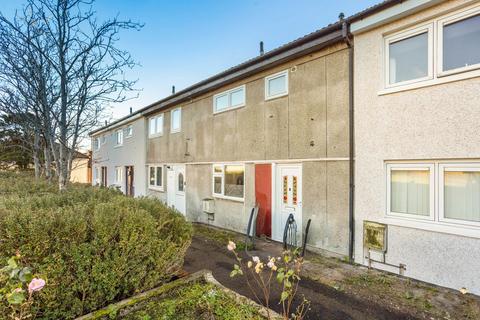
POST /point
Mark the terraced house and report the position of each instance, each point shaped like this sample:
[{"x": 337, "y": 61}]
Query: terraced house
[
  {"x": 400, "y": 192},
  {"x": 272, "y": 132},
  {"x": 417, "y": 85}
]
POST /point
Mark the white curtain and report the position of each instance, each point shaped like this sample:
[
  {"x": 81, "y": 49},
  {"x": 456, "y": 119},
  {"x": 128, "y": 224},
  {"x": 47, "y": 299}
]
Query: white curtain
[
  {"x": 410, "y": 192},
  {"x": 462, "y": 195}
]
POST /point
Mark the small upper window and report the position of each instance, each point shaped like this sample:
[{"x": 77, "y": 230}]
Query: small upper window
[
  {"x": 231, "y": 99},
  {"x": 96, "y": 143},
  {"x": 119, "y": 137},
  {"x": 176, "y": 120},
  {"x": 155, "y": 125},
  {"x": 460, "y": 42},
  {"x": 128, "y": 131},
  {"x": 409, "y": 56},
  {"x": 276, "y": 85}
]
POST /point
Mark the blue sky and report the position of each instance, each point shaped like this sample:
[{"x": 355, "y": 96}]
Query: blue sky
[{"x": 184, "y": 42}]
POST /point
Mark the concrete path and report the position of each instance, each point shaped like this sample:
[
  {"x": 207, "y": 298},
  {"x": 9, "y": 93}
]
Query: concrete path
[{"x": 326, "y": 302}]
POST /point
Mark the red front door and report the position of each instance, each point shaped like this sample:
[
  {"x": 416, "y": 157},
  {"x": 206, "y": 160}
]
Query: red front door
[{"x": 263, "y": 195}]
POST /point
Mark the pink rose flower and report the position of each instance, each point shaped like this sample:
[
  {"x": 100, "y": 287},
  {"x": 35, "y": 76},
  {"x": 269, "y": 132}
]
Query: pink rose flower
[
  {"x": 36, "y": 285},
  {"x": 231, "y": 246}
]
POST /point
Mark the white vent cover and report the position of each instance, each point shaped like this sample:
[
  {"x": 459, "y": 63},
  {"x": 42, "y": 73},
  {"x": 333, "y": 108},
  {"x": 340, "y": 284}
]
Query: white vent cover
[{"x": 208, "y": 205}]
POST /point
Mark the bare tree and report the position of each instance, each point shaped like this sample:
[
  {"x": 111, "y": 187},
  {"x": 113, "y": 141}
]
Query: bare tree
[{"x": 77, "y": 70}]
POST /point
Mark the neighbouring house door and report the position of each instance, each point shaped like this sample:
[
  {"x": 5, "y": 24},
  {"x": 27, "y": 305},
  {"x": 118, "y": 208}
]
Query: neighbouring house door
[
  {"x": 176, "y": 187},
  {"x": 104, "y": 177},
  {"x": 129, "y": 189},
  {"x": 288, "y": 199},
  {"x": 263, "y": 198}
]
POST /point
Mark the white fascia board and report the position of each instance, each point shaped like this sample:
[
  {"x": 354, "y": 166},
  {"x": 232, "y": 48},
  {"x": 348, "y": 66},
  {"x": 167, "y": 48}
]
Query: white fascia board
[
  {"x": 390, "y": 14},
  {"x": 116, "y": 125}
]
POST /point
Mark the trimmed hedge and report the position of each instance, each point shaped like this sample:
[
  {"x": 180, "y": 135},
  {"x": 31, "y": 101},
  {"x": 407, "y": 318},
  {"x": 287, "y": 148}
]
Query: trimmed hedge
[{"x": 94, "y": 246}]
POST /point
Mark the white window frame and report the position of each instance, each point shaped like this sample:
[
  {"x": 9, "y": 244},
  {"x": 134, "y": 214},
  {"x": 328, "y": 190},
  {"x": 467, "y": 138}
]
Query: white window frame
[
  {"x": 118, "y": 175},
  {"x": 117, "y": 133},
  {"x": 179, "y": 129},
  {"x": 402, "y": 35},
  {"x": 98, "y": 178},
  {"x": 459, "y": 16},
  {"x": 442, "y": 167},
  {"x": 272, "y": 77},
  {"x": 155, "y": 186},
  {"x": 129, "y": 131},
  {"x": 222, "y": 175},
  {"x": 97, "y": 143},
  {"x": 411, "y": 167},
  {"x": 158, "y": 129},
  {"x": 228, "y": 93}
]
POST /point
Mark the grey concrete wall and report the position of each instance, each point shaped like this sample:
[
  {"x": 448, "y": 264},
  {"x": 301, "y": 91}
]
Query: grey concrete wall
[
  {"x": 131, "y": 153},
  {"x": 434, "y": 122},
  {"x": 311, "y": 122}
]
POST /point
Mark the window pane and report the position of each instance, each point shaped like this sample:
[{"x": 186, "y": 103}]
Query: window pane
[
  {"x": 119, "y": 136},
  {"x": 221, "y": 102},
  {"x": 237, "y": 97},
  {"x": 129, "y": 131},
  {"x": 461, "y": 43},
  {"x": 176, "y": 119},
  {"x": 152, "y": 126},
  {"x": 462, "y": 195},
  {"x": 277, "y": 85},
  {"x": 159, "y": 176},
  {"x": 180, "y": 182},
  {"x": 234, "y": 179},
  {"x": 217, "y": 185},
  {"x": 152, "y": 176},
  {"x": 409, "y": 58},
  {"x": 410, "y": 192},
  {"x": 159, "y": 123}
]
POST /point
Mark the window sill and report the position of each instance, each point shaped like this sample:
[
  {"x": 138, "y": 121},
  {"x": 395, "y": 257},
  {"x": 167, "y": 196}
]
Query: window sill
[
  {"x": 118, "y": 145},
  {"x": 276, "y": 97},
  {"x": 229, "y": 109},
  {"x": 176, "y": 131},
  {"x": 432, "y": 82},
  {"x": 156, "y": 135},
  {"x": 156, "y": 188},
  {"x": 228, "y": 198},
  {"x": 440, "y": 227}
]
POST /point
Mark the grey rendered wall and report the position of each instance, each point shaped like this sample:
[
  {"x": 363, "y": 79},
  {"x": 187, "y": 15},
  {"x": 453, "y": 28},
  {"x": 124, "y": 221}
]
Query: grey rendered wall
[
  {"x": 131, "y": 153},
  {"x": 436, "y": 122}
]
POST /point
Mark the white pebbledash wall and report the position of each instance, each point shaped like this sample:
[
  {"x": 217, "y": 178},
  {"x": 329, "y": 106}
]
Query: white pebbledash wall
[
  {"x": 436, "y": 122},
  {"x": 131, "y": 153}
]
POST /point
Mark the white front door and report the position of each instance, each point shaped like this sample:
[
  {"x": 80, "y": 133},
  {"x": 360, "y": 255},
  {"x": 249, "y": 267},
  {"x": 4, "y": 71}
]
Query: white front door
[
  {"x": 288, "y": 199},
  {"x": 176, "y": 187}
]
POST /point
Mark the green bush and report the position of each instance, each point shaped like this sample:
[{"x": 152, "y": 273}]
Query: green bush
[{"x": 93, "y": 246}]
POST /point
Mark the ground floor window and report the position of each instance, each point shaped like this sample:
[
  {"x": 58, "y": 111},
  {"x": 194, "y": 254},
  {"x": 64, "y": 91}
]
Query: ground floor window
[
  {"x": 441, "y": 192},
  {"x": 155, "y": 180},
  {"x": 118, "y": 175},
  {"x": 229, "y": 181}
]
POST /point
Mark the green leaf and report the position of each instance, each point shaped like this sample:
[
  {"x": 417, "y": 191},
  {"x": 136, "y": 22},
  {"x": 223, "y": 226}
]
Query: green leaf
[
  {"x": 25, "y": 275},
  {"x": 284, "y": 296},
  {"x": 15, "y": 298},
  {"x": 12, "y": 263},
  {"x": 280, "y": 277}
]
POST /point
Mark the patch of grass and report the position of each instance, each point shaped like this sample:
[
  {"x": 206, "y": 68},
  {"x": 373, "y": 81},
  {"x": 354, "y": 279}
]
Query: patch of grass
[
  {"x": 196, "y": 301},
  {"x": 221, "y": 236}
]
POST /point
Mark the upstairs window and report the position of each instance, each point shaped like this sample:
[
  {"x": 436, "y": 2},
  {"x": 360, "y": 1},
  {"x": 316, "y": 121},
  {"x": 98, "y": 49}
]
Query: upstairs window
[
  {"x": 409, "y": 56},
  {"x": 119, "y": 137},
  {"x": 276, "y": 85},
  {"x": 176, "y": 120},
  {"x": 155, "y": 126},
  {"x": 128, "y": 132},
  {"x": 96, "y": 143},
  {"x": 459, "y": 41},
  {"x": 227, "y": 100}
]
